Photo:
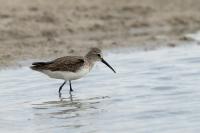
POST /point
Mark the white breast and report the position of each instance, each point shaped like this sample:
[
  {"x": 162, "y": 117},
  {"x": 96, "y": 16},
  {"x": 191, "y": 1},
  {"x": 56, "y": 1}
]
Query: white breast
[{"x": 67, "y": 75}]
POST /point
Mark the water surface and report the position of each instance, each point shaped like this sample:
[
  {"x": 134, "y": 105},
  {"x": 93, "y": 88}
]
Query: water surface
[{"x": 152, "y": 92}]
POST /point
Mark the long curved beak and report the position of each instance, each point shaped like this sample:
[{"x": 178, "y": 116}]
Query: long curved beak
[{"x": 102, "y": 60}]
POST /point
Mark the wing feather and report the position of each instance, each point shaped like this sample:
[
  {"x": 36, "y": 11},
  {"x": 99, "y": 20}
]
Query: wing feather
[{"x": 67, "y": 63}]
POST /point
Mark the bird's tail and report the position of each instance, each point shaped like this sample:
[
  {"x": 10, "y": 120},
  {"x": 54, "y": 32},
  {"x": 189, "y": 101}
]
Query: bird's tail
[{"x": 38, "y": 65}]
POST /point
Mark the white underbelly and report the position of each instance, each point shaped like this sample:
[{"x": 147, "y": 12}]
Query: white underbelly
[{"x": 66, "y": 75}]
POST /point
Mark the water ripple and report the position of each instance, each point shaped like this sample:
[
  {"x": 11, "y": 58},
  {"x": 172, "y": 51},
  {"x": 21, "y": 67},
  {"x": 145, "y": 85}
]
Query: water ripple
[{"x": 155, "y": 91}]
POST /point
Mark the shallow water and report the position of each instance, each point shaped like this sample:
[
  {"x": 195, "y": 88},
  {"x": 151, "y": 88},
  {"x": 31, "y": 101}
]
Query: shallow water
[{"x": 152, "y": 92}]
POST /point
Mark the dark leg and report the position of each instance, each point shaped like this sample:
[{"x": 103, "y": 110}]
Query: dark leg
[
  {"x": 70, "y": 96},
  {"x": 61, "y": 86},
  {"x": 70, "y": 84}
]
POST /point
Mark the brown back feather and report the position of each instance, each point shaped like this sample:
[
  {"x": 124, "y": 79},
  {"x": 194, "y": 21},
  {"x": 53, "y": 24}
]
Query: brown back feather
[{"x": 67, "y": 63}]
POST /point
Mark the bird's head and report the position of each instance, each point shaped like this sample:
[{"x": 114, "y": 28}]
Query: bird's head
[{"x": 95, "y": 54}]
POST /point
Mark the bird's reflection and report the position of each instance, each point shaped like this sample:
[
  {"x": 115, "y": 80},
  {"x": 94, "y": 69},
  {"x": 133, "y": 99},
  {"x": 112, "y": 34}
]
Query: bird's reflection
[
  {"x": 67, "y": 107},
  {"x": 62, "y": 98}
]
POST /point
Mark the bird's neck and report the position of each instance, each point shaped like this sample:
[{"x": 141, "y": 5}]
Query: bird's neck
[{"x": 90, "y": 60}]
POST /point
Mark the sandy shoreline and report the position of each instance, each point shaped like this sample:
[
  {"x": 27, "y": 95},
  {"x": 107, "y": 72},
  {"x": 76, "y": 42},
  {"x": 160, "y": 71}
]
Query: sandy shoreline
[{"x": 42, "y": 29}]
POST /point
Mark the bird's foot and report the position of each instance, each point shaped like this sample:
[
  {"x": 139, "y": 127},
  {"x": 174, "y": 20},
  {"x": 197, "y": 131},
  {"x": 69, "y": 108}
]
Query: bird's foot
[{"x": 60, "y": 94}]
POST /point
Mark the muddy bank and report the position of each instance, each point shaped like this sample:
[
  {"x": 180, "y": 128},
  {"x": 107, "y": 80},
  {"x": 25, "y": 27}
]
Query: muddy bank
[{"x": 42, "y": 29}]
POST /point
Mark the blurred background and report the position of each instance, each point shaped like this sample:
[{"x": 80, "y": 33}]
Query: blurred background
[
  {"x": 48, "y": 28},
  {"x": 152, "y": 44}
]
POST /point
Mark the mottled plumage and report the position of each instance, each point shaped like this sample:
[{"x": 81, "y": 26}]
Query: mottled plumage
[{"x": 66, "y": 63}]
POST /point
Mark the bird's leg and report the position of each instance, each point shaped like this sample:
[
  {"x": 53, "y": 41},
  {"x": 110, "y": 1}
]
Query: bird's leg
[
  {"x": 70, "y": 84},
  {"x": 70, "y": 96},
  {"x": 61, "y": 86}
]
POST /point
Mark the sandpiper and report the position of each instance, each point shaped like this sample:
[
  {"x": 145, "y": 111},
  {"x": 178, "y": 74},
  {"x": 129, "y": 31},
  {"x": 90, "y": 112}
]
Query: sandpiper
[{"x": 70, "y": 68}]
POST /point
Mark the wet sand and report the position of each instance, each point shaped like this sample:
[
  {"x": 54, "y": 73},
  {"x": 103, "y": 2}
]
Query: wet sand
[{"x": 48, "y": 29}]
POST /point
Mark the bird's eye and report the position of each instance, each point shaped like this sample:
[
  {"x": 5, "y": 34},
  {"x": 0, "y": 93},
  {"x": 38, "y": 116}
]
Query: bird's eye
[{"x": 99, "y": 55}]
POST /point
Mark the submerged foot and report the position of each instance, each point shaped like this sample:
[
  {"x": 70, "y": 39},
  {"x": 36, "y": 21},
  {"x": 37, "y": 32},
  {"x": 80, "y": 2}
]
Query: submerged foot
[
  {"x": 70, "y": 96},
  {"x": 60, "y": 94}
]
